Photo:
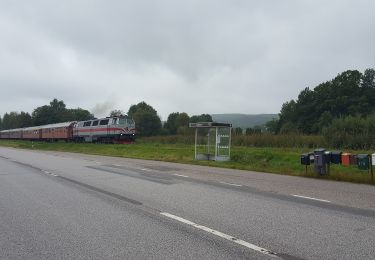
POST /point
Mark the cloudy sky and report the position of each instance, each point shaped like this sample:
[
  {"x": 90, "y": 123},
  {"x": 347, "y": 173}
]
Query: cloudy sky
[{"x": 196, "y": 56}]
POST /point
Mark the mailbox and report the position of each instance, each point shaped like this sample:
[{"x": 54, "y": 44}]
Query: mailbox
[
  {"x": 305, "y": 159},
  {"x": 327, "y": 156},
  {"x": 345, "y": 159},
  {"x": 320, "y": 161},
  {"x": 353, "y": 159},
  {"x": 336, "y": 157},
  {"x": 363, "y": 161}
]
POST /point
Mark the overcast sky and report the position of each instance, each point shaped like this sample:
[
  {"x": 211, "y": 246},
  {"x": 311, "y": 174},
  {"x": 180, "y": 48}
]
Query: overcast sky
[{"x": 200, "y": 56}]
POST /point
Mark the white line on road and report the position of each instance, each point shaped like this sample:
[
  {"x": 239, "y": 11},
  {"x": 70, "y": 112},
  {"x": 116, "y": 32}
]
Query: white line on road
[
  {"x": 232, "y": 184},
  {"x": 222, "y": 235},
  {"x": 180, "y": 175},
  {"x": 310, "y": 198},
  {"x": 145, "y": 169},
  {"x": 47, "y": 172},
  {"x": 55, "y": 175},
  {"x": 117, "y": 165}
]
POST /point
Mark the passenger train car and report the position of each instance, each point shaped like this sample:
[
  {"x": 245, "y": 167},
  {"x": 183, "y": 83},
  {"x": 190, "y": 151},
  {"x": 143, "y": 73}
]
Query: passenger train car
[{"x": 107, "y": 130}]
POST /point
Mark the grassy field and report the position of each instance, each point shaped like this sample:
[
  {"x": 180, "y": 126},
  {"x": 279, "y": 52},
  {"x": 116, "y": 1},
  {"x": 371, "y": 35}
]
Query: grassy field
[{"x": 272, "y": 160}]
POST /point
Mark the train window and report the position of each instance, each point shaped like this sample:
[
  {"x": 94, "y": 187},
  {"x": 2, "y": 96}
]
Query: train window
[
  {"x": 104, "y": 122},
  {"x": 87, "y": 123},
  {"x": 95, "y": 123}
]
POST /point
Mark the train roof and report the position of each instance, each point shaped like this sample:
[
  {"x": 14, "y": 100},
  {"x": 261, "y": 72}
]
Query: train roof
[
  {"x": 11, "y": 130},
  {"x": 65, "y": 124}
]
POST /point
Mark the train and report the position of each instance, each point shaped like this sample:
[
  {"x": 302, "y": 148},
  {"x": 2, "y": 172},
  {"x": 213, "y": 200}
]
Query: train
[{"x": 116, "y": 129}]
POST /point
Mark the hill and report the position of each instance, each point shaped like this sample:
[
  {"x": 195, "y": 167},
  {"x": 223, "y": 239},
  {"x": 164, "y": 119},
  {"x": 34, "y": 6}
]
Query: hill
[{"x": 243, "y": 120}]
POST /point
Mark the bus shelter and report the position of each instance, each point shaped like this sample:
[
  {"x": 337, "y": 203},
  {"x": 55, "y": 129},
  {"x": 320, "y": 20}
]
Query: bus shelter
[{"x": 212, "y": 141}]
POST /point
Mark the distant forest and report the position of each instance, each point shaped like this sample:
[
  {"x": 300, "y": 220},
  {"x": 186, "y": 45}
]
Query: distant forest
[
  {"x": 342, "y": 109},
  {"x": 351, "y": 93}
]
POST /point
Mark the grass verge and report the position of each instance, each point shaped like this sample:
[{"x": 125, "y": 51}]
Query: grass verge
[{"x": 273, "y": 160}]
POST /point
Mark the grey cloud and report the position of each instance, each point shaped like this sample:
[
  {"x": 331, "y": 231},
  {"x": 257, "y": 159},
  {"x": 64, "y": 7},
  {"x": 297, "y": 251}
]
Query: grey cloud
[{"x": 194, "y": 56}]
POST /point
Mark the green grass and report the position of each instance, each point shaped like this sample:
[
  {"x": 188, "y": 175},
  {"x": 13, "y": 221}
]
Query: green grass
[{"x": 273, "y": 160}]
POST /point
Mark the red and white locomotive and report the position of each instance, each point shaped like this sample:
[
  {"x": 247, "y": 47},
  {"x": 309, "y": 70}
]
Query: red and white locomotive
[
  {"x": 119, "y": 129},
  {"x": 107, "y": 130}
]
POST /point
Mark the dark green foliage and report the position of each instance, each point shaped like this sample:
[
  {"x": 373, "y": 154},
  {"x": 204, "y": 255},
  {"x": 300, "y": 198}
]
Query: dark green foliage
[
  {"x": 147, "y": 123},
  {"x": 254, "y": 130},
  {"x": 201, "y": 118},
  {"x": 178, "y": 123},
  {"x": 16, "y": 120},
  {"x": 353, "y": 132},
  {"x": 368, "y": 78},
  {"x": 76, "y": 114},
  {"x": 349, "y": 94},
  {"x": 117, "y": 112},
  {"x": 146, "y": 119},
  {"x": 237, "y": 131},
  {"x": 56, "y": 112},
  {"x": 171, "y": 124},
  {"x": 141, "y": 106}
]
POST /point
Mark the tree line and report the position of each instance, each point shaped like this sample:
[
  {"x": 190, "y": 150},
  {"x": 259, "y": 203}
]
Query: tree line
[
  {"x": 55, "y": 112},
  {"x": 342, "y": 110},
  {"x": 351, "y": 93}
]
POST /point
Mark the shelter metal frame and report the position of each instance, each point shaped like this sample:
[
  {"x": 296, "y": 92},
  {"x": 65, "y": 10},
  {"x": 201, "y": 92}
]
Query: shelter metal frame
[{"x": 222, "y": 131}]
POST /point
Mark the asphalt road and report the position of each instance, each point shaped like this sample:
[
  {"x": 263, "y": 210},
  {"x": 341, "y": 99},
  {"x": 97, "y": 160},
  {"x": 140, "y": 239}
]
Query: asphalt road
[{"x": 70, "y": 206}]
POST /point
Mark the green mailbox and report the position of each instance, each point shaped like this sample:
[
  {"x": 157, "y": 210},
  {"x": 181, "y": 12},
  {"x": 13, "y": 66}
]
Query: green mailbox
[{"x": 363, "y": 161}]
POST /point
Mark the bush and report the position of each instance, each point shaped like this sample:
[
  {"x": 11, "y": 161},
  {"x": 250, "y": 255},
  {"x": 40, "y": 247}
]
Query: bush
[{"x": 353, "y": 132}]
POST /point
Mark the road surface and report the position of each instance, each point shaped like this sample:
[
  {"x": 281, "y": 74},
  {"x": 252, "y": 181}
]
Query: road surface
[{"x": 70, "y": 206}]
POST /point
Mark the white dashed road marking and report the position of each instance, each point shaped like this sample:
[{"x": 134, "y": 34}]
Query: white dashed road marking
[
  {"x": 222, "y": 235},
  {"x": 180, "y": 175},
  {"x": 232, "y": 184},
  {"x": 147, "y": 170},
  {"x": 310, "y": 198}
]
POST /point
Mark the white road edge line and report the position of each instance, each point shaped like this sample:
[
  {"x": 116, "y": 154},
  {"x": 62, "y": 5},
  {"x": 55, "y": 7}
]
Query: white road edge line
[
  {"x": 232, "y": 184},
  {"x": 222, "y": 235},
  {"x": 310, "y": 198},
  {"x": 180, "y": 175},
  {"x": 47, "y": 172}
]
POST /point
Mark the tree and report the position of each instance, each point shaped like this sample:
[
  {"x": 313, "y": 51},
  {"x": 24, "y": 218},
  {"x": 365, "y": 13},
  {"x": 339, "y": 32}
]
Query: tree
[
  {"x": 56, "y": 112},
  {"x": 14, "y": 120},
  {"x": 171, "y": 124},
  {"x": 41, "y": 115},
  {"x": 238, "y": 131},
  {"x": 147, "y": 123},
  {"x": 273, "y": 126},
  {"x": 77, "y": 114},
  {"x": 201, "y": 118},
  {"x": 368, "y": 78},
  {"x": 349, "y": 93},
  {"x": 141, "y": 106},
  {"x": 117, "y": 113},
  {"x": 146, "y": 119}
]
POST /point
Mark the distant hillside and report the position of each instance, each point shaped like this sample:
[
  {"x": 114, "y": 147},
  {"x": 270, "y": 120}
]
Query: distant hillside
[{"x": 243, "y": 120}]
